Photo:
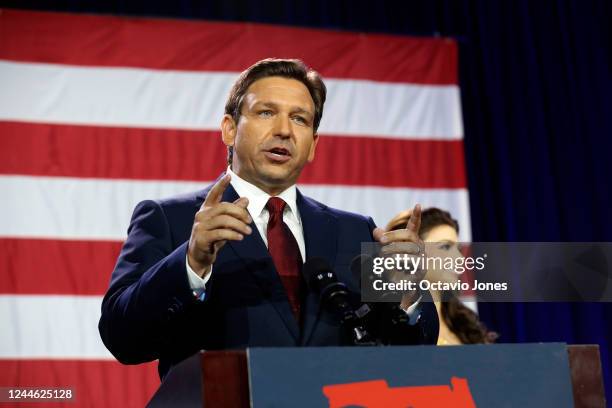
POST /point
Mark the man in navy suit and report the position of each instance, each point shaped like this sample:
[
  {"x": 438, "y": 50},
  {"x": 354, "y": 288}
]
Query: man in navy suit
[{"x": 221, "y": 268}]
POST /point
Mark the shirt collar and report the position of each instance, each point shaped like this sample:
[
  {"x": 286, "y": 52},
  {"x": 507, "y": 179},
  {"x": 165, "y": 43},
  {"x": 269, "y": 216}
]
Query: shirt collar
[{"x": 259, "y": 198}]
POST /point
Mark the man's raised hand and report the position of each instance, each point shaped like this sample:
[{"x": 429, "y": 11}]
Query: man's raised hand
[
  {"x": 215, "y": 223},
  {"x": 410, "y": 234},
  {"x": 404, "y": 241}
]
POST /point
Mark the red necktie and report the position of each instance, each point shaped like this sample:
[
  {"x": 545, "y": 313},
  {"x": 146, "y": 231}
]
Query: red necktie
[{"x": 285, "y": 254}]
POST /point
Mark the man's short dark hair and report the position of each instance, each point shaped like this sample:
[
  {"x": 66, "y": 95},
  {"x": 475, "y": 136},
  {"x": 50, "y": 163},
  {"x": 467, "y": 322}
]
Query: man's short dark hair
[{"x": 270, "y": 67}]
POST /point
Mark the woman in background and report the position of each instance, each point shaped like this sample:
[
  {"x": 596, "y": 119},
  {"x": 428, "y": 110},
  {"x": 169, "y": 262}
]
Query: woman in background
[{"x": 458, "y": 324}]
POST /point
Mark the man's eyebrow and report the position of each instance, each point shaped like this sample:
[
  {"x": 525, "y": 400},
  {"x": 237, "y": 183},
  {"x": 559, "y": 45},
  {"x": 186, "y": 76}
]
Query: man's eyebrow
[
  {"x": 266, "y": 104},
  {"x": 273, "y": 105},
  {"x": 302, "y": 110}
]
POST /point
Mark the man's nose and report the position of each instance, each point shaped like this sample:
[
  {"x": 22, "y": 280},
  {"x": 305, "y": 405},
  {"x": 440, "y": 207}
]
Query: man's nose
[{"x": 282, "y": 126}]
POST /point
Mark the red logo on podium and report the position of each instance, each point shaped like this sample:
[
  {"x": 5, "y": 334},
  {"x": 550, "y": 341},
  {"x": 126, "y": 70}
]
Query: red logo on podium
[{"x": 378, "y": 394}]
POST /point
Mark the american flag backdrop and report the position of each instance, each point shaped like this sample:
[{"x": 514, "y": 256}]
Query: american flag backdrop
[{"x": 99, "y": 112}]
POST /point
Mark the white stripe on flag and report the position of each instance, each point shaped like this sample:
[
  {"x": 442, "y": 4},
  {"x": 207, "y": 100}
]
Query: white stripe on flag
[
  {"x": 99, "y": 209},
  {"x": 51, "y": 327},
  {"x": 130, "y": 97}
]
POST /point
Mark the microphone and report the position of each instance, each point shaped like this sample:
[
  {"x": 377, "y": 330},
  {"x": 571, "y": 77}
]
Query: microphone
[{"x": 334, "y": 295}]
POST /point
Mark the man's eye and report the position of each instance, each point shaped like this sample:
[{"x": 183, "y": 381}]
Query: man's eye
[
  {"x": 265, "y": 113},
  {"x": 300, "y": 120},
  {"x": 445, "y": 247}
]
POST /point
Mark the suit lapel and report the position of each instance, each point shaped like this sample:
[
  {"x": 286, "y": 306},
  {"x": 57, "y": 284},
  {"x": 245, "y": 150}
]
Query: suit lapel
[
  {"x": 253, "y": 252},
  {"x": 320, "y": 236}
]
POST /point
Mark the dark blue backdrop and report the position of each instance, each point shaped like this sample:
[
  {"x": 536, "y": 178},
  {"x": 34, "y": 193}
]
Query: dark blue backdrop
[{"x": 536, "y": 85}]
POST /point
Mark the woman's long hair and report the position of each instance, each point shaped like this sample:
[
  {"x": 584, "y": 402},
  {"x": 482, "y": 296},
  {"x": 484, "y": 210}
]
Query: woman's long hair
[{"x": 462, "y": 321}]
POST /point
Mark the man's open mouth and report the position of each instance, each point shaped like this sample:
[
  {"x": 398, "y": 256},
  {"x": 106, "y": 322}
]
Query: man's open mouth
[
  {"x": 281, "y": 151},
  {"x": 278, "y": 155}
]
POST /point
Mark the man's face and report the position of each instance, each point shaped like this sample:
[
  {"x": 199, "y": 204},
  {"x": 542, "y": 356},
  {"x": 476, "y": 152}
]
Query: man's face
[{"x": 274, "y": 137}]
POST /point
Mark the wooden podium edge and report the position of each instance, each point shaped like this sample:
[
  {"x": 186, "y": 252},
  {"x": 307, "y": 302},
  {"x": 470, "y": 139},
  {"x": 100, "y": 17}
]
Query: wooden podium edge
[
  {"x": 586, "y": 375},
  {"x": 225, "y": 381}
]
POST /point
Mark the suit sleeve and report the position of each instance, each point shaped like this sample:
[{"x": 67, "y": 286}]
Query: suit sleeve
[{"x": 144, "y": 312}]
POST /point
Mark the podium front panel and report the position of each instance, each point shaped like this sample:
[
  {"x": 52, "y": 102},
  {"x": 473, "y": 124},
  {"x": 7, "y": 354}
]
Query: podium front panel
[{"x": 504, "y": 375}]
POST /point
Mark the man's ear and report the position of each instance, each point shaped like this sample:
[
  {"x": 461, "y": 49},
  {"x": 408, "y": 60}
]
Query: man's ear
[
  {"x": 228, "y": 130},
  {"x": 313, "y": 147}
]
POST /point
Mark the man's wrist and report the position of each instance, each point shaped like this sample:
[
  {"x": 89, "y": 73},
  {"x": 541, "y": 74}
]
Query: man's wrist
[{"x": 201, "y": 271}]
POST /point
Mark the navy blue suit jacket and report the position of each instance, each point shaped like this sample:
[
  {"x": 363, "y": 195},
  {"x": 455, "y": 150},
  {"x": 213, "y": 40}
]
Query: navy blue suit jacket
[{"x": 150, "y": 312}]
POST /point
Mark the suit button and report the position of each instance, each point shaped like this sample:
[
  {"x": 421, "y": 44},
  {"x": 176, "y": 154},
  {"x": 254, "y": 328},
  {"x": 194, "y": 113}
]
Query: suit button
[{"x": 172, "y": 311}]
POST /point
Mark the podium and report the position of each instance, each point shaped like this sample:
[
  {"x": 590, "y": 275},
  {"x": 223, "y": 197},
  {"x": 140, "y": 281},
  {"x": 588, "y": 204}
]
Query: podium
[{"x": 526, "y": 375}]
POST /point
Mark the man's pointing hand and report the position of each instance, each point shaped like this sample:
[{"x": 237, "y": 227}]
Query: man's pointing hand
[{"x": 215, "y": 223}]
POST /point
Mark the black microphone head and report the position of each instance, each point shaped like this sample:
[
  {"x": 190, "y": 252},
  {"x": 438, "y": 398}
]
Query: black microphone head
[
  {"x": 318, "y": 274},
  {"x": 322, "y": 279}
]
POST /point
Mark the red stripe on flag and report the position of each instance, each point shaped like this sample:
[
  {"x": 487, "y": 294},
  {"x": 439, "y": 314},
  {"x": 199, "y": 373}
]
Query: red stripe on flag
[
  {"x": 207, "y": 46},
  {"x": 56, "y": 267},
  {"x": 155, "y": 154},
  {"x": 95, "y": 383}
]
